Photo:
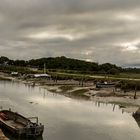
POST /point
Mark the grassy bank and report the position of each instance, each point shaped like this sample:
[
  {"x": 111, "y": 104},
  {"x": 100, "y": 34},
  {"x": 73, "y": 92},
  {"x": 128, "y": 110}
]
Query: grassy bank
[{"x": 122, "y": 76}]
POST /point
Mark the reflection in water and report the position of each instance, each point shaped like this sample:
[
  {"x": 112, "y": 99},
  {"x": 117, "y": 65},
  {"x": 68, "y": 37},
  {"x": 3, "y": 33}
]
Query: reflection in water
[
  {"x": 69, "y": 119},
  {"x": 8, "y": 135},
  {"x": 114, "y": 106}
]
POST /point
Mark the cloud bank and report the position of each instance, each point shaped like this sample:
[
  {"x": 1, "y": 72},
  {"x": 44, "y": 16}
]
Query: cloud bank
[{"x": 99, "y": 30}]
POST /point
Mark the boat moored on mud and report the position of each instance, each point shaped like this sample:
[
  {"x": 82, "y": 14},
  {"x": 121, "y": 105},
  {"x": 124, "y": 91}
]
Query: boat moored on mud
[
  {"x": 19, "y": 125},
  {"x": 105, "y": 85}
]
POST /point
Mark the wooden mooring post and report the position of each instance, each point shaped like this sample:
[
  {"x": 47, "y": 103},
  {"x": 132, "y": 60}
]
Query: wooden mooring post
[{"x": 135, "y": 95}]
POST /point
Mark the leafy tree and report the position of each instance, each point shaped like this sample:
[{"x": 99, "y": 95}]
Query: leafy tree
[
  {"x": 113, "y": 71},
  {"x": 68, "y": 64},
  {"x": 3, "y": 59}
]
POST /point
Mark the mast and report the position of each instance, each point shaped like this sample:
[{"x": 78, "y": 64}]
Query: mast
[{"x": 44, "y": 68}]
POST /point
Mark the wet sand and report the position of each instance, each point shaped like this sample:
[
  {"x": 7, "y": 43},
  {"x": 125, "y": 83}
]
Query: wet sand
[
  {"x": 124, "y": 100},
  {"x": 2, "y": 136}
]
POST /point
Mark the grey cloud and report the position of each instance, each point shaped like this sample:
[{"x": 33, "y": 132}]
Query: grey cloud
[{"x": 102, "y": 27}]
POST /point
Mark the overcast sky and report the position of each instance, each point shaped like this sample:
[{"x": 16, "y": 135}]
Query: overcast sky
[{"x": 91, "y": 30}]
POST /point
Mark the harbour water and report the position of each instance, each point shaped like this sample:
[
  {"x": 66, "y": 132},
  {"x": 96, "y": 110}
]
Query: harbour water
[{"x": 68, "y": 119}]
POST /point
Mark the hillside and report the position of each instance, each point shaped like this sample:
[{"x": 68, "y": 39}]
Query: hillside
[{"x": 68, "y": 64}]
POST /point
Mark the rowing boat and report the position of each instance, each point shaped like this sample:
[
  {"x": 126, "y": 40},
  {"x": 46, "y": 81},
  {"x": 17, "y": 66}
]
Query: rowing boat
[{"x": 20, "y": 125}]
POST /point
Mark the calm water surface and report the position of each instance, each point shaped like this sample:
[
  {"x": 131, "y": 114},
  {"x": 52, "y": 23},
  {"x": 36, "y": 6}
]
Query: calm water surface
[{"x": 68, "y": 119}]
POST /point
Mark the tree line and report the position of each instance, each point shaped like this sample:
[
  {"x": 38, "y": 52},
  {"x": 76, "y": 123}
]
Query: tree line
[{"x": 64, "y": 63}]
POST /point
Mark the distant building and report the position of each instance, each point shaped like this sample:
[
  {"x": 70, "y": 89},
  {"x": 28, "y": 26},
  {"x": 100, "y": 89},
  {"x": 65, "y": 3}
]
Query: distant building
[
  {"x": 41, "y": 76},
  {"x": 14, "y": 73}
]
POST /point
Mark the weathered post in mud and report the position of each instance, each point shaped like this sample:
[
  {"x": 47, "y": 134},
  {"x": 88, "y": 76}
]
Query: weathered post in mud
[
  {"x": 135, "y": 95},
  {"x": 114, "y": 107},
  {"x": 55, "y": 78},
  {"x": 114, "y": 89},
  {"x": 82, "y": 82}
]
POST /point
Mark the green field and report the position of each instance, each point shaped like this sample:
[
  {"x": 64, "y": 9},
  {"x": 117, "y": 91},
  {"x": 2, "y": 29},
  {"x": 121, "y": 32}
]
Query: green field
[{"x": 122, "y": 76}]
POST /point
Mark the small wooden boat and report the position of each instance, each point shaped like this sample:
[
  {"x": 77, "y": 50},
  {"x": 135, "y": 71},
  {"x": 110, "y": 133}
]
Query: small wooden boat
[{"x": 19, "y": 125}]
